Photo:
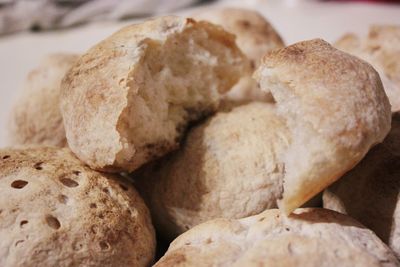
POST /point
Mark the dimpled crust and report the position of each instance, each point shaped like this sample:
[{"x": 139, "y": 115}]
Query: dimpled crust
[
  {"x": 375, "y": 202},
  {"x": 335, "y": 107},
  {"x": 36, "y": 117},
  {"x": 228, "y": 167},
  {"x": 55, "y": 211},
  {"x": 309, "y": 237},
  {"x": 129, "y": 99},
  {"x": 255, "y": 36},
  {"x": 381, "y": 48}
]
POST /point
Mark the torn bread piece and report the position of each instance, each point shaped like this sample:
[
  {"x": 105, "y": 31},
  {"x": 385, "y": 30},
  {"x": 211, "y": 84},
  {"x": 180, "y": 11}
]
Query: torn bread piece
[
  {"x": 370, "y": 191},
  {"x": 309, "y": 237},
  {"x": 255, "y": 36},
  {"x": 56, "y": 211},
  {"x": 228, "y": 167},
  {"x": 36, "y": 118},
  {"x": 381, "y": 48},
  {"x": 129, "y": 99},
  {"x": 335, "y": 107}
]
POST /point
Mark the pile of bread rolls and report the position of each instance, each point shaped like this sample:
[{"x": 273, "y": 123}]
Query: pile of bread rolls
[{"x": 207, "y": 134}]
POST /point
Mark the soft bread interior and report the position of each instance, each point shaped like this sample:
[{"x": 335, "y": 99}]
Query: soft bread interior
[
  {"x": 177, "y": 81},
  {"x": 310, "y": 160}
]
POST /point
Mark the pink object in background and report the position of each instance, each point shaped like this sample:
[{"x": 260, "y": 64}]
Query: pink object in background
[{"x": 378, "y": 1}]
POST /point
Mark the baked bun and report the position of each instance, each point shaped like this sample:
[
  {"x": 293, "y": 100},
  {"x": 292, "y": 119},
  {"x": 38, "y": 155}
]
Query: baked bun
[
  {"x": 335, "y": 107},
  {"x": 55, "y": 211},
  {"x": 128, "y": 100},
  {"x": 381, "y": 48},
  {"x": 309, "y": 237},
  {"x": 370, "y": 192},
  {"x": 36, "y": 117},
  {"x": 255, "y": 36},
  {"x": 228, "y": 167}
]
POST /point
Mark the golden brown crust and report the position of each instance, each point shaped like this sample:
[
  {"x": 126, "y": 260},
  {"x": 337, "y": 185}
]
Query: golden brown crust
[
  {"x": 228, "y": 167},
  {"x": 336, "y": 108},
  {"x": 129, "y": 98},
  {"x": 36, "y": 118},
  {"x": 370, "y": 192},
  {"x": 55, "y": 211},
  {"x": 309, "y": 237}
]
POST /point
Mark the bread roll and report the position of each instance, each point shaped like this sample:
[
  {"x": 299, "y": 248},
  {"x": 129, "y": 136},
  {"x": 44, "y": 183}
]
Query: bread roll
[
  {"x": 55, "y": 211},
  {"x": 335, "y": 107},
  {"x": 36, "y": 117},
  {"x": 228, "y": 167},
  {"x": 255, "y": 36},
  {"x": 308, "y": 238},
  {"x": 370, "y": 192},
  {"x": 128, "y": 100},
  {"x": 381, "y": 48}
]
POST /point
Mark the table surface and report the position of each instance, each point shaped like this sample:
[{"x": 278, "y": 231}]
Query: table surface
[{"x": 295, "y": 20}]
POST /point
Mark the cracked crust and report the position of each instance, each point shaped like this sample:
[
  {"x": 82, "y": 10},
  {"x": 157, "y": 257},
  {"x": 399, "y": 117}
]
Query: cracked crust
[
  {"x": 36, "y": 117},
  {"x": 55, "y": 211},
  {"x": 129, "y": 99},
  {"x": 381, "y": 48},
  {"x": 309, "y": 237},
  {"x": 375, "y": 202},
  {"x": 228, "y": 167},
  {"x": 336, "y": 110}
]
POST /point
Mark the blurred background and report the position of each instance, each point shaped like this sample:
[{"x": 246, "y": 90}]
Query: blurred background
[{"x": 31, "y": 29}]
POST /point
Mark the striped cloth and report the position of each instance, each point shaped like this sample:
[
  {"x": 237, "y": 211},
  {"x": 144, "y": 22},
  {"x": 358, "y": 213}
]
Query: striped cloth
[{"x": 17, "y": 15}]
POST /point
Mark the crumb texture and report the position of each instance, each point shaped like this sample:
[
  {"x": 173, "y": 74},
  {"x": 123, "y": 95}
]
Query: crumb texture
[
  {"x": 129, "y": 99},
  {"x": 336, "y": 110}
]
